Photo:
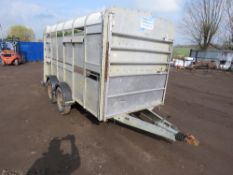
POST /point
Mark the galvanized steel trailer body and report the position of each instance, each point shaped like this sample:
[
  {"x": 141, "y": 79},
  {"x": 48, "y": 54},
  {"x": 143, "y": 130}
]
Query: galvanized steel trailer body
[{"x": 116, "y": 62}]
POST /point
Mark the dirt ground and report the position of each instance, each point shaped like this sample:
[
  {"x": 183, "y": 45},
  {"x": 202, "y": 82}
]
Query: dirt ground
[{"x": 34, "y": 136}]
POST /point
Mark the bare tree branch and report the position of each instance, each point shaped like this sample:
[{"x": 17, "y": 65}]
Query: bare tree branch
[
  {"x": 229, "y": 24},
  {"x": 202, "y": 20}
]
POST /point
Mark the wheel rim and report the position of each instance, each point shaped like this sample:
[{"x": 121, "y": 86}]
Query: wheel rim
[
  {"x": 50, "y": 91},
  {"x": 60, "y": 100}
]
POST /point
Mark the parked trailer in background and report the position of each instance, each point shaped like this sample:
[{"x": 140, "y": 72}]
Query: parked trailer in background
[{"x": 115, "y": 63}]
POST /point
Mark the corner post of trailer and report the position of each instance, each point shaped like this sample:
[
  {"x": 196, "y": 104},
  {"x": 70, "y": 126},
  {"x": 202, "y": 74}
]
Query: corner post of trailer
[
  {"x": 85, "y": 62},
  {"x": 73, "y": 47},
  {"x": 169, "y": 57},
  {"x": 108, "y": 52},
  {"x": 103, "y": 65},
  {"x": 64, "y": 55}
]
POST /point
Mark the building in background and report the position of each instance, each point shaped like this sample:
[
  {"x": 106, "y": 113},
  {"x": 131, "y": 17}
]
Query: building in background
[{"x": 222, "y": 58}]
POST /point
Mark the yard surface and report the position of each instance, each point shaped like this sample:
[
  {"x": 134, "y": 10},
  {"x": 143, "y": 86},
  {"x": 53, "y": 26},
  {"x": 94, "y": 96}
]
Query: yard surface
[{"x": 36, "y": 140}]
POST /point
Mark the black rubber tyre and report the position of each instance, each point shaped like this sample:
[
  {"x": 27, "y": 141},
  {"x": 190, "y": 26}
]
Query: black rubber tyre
[
  {"x": 61, "y": 106},
  {"x": 51, "y": 94},
  {"x": 16, "y": 62}
]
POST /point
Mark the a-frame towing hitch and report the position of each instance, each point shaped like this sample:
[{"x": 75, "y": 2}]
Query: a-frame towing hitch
[{"x": 151, "y": 122}]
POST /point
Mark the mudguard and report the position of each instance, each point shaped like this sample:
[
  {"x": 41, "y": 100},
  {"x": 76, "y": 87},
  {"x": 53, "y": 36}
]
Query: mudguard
[
  {"x": 54, "y": 81},
  {"x": 66, "y": 90}
]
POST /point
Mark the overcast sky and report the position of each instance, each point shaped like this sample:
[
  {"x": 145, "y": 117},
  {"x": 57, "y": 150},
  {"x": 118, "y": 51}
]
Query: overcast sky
[{"x": 36, "y": 14}]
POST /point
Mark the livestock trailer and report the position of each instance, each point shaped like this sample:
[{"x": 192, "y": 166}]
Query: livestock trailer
[{"x": 114, "y": 63}]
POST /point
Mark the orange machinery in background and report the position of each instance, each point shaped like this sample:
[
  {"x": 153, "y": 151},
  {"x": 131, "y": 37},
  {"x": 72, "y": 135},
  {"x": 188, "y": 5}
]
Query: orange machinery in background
[{"x": 10, "y": 53}]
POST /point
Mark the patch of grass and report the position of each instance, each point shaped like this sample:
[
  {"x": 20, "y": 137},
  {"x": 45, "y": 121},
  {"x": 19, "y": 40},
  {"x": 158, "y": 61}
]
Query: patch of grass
[{"x": 179, "y": 52}]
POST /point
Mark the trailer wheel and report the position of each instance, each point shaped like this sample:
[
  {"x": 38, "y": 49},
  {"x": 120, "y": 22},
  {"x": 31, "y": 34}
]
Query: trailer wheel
[
  {"x": 61, "y": 106},
  {"x": 16, "y": 62},
  {"x": 51, "y": 94}
]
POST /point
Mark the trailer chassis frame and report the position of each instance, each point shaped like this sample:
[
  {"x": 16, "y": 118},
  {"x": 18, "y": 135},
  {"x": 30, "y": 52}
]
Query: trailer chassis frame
[{"x": 151, "y": 122}]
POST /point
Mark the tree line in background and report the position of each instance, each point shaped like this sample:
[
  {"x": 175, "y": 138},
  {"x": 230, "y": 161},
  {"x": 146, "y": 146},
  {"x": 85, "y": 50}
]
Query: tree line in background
[
  {"x": 20, "y": 32},
  {"x": 209, "y": 23}
]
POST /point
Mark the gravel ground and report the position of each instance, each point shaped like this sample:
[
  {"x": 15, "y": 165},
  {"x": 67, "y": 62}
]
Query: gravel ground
[{"x": 34, "y": 136}]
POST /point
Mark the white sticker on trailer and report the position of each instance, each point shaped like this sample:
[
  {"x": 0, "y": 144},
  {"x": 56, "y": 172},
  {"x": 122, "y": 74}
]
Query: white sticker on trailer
[{"x": 147, "y": 23}]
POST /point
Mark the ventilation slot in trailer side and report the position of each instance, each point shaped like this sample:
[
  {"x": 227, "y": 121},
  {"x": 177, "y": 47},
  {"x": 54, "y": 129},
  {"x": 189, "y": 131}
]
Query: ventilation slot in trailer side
[{"x": 92, "y": 75}]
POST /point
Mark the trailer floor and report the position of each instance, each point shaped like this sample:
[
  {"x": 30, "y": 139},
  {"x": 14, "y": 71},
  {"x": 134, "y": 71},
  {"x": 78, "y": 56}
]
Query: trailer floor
[{"x": 198, "y": 102}]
